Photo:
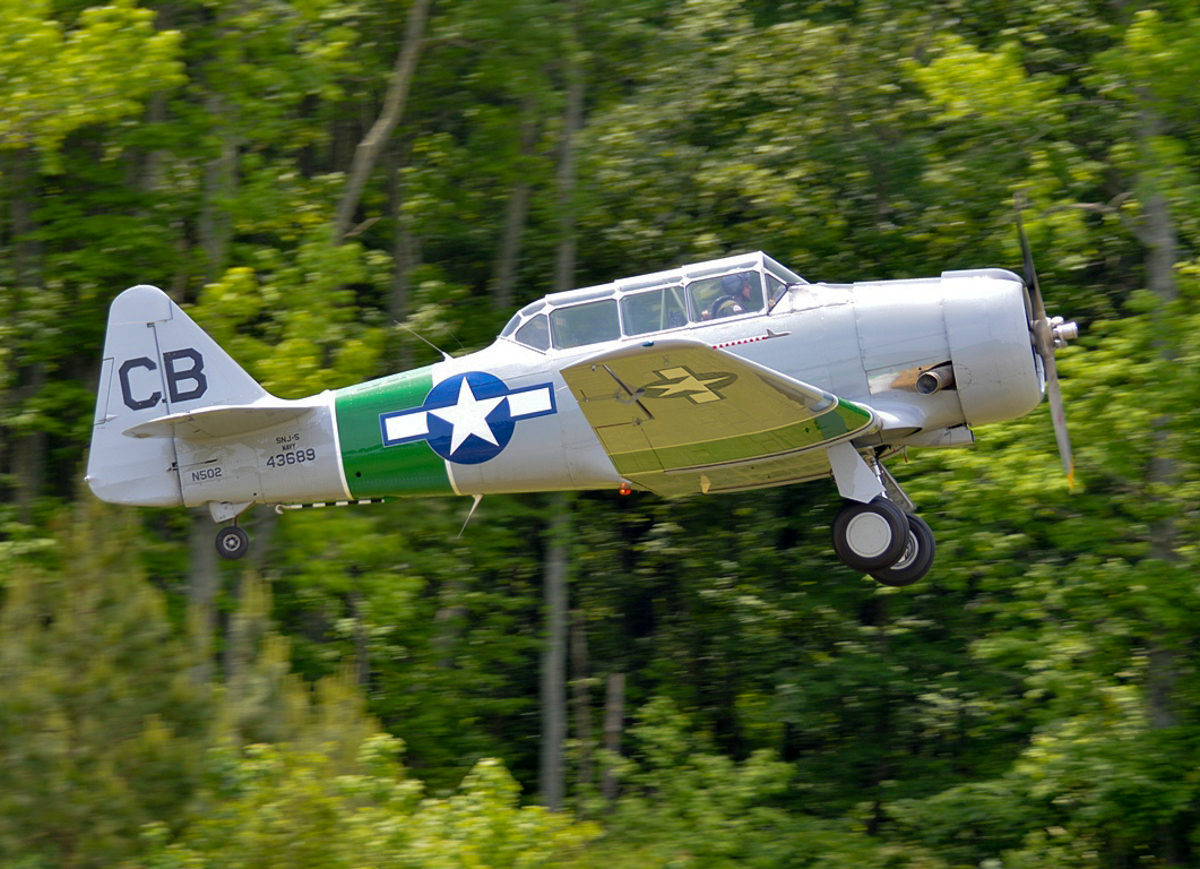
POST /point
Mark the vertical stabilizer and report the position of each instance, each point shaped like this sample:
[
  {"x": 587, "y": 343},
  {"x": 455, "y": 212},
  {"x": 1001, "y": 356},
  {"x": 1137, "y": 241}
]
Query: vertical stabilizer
[{"x": 157, "y": 361}]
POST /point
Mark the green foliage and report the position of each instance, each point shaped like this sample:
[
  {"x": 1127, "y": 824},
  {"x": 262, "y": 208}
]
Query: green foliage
[
  {"x": 279, "y": 806},
  {"x": 684, "y": 804},
  {"x": 965, "y": 82},
  {"x": 57, "y": 79},
  {"x": 684, "y": 799},
  {"x": 1033, "y": 703},
  {"x": 100, "y": 725},
  {"x": 296, "y": 328},
  {"x": 443, "y": 621}
]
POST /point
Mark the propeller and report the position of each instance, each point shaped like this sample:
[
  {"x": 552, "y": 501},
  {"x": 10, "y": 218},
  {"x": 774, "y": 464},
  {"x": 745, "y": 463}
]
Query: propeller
[{"x": 1049, "y": 334}]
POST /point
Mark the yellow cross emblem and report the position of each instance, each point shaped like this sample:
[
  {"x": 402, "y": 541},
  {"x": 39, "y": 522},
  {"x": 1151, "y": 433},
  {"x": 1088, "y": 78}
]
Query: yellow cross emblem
[{"x": 684, "y": 383}]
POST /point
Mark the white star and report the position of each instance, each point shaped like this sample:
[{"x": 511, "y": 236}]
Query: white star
[{"x": 468, "y": 416}]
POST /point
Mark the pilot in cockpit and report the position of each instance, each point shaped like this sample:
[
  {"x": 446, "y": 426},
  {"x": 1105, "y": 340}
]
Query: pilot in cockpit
[{"x": 738, "y": 295}]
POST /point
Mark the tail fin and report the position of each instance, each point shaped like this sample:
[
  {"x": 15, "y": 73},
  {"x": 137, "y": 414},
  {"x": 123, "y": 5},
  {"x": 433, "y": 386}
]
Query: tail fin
[{"x": 157, "y": 362}]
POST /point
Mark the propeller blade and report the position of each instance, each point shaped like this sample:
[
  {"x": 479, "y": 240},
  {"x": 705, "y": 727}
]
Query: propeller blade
[
  {"x": 1047, "y": 335},
  {"x": 1031, "y": 280},
  {"x": 1058, "y": 416}
]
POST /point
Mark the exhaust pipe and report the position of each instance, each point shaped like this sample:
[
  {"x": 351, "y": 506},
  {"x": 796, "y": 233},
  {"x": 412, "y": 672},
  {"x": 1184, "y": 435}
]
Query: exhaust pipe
[{"x": 936, "y": 379}]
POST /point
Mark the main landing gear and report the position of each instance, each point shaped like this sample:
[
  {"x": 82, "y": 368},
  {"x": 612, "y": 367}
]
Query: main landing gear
[
  {"x": 873, "y": 533},
  {"x": 879, "y": 538}
]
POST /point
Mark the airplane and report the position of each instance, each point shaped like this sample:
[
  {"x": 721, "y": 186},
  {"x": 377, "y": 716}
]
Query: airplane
[{"x": 727, "y": 375}]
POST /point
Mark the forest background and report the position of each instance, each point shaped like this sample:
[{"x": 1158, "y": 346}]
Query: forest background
[{"x": 684, "y": 683}]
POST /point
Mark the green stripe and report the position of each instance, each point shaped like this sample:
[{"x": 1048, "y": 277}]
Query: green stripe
[
  {"x": 843, "y": 419},
  {"x": 376, "y": 471}
]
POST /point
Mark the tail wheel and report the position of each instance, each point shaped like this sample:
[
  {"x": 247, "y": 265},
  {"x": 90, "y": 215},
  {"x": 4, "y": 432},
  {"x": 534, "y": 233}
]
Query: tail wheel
[
  {"x": 916, "y": 559},
  {"x": 869, "y": 537},
  {"x": 232, "y": 542}
]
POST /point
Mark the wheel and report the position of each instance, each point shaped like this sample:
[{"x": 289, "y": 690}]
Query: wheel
[
  {"x": 871, "y": 536},
  {"x": 232, "y": 542},
  {"x": 916, "y": 559}
]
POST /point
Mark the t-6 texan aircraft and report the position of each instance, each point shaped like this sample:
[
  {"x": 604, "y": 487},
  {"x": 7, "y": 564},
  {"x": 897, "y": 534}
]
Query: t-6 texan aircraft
[{"x": 723, "y": 376}]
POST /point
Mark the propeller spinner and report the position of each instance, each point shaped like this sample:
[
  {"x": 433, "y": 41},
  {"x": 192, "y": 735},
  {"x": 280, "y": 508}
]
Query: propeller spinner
[{"x": 1049, "y": 334}]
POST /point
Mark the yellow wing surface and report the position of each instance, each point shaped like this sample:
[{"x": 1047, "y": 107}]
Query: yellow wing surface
[{"x": 679, "y": 416}]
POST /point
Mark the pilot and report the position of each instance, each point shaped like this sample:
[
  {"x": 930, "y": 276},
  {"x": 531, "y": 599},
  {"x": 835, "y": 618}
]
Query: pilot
[{"x": 737, "y": 297}]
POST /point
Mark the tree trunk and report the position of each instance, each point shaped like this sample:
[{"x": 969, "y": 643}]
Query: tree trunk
[
  {"x": 362, "y": 640},
  {"x": 220, "y": 181},
  {"x": 553, "y": 690},
  {"x": 554, "y": 652},
  {"x": 215, "y": 230},
  {"x": 516, "y": 211},
  {"x": 28, "y": 446},
  {"x": 369, "y": 149},
  {"x": 404, "y": 259},
  {"x": 564, "y": 266},
  {"x": 581, "y": 697},
  {"x": 449, "y": 622},
  {"x": 614, "y": 724},
  {"x": 204, "y": 580},
  {"x": 1163, "y": 474},
  {"x": 1159, "y": 236}
]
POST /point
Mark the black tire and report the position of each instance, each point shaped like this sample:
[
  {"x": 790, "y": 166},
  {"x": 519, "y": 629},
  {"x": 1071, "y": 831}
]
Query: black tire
[
  {"x": 869, "y": 537},
  {"x": 915, "y": 561},
  {"x": 232, "y": 542}
]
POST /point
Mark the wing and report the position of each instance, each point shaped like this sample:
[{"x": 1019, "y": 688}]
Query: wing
[{"x": 679, "y": 416}]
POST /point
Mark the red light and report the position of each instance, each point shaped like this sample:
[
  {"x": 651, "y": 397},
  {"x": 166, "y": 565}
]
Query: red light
[{"x": 625, "y": 489}]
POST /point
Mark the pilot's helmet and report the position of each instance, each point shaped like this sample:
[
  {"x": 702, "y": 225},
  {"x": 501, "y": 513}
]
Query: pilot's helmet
[{"x": 731, "y": 285}]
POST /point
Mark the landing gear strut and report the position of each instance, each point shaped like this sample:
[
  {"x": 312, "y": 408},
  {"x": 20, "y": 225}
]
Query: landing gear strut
[{"x": 232, "y": 542}]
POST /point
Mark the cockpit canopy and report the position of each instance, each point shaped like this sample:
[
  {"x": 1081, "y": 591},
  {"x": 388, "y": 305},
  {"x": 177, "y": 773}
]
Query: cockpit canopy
[{"x": 632, "y": 307}]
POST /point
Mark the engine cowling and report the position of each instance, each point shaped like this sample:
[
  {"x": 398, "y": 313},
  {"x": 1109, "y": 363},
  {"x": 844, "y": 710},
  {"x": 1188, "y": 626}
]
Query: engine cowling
[{"x": 996, "y": 371}]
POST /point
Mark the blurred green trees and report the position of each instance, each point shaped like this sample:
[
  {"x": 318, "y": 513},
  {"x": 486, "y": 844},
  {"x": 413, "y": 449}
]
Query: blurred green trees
[
  {"x": 1032, "y": 703},
  {"x": 101, "y": 722}
]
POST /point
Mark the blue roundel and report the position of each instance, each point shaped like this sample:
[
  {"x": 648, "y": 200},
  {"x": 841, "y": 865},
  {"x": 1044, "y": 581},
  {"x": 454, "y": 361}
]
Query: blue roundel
[{"x": 469, "y": 418}]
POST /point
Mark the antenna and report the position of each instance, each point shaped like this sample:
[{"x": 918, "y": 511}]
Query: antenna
[
  {"x": 446, "y": 356},
  {"x": 471, "y": 513}
]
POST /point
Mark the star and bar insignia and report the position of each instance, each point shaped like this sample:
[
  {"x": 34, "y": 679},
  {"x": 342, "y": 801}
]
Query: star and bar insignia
[
  {"x": 682, "y": 382},
  {"x": 467, "y": 418}
]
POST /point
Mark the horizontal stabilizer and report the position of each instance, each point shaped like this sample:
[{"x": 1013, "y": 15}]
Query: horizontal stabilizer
[{"x": 220, "y": 421}]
